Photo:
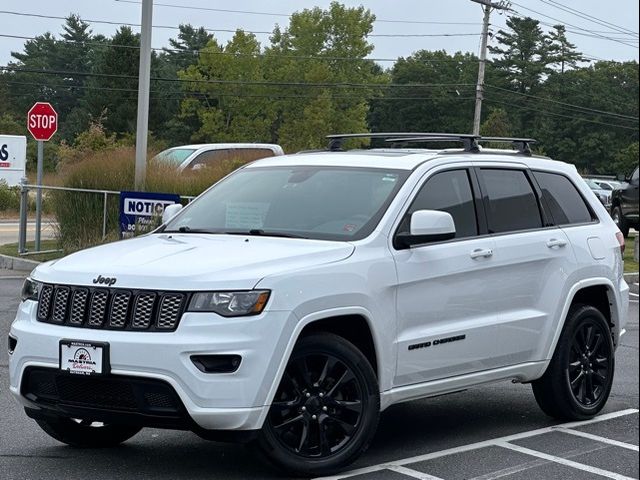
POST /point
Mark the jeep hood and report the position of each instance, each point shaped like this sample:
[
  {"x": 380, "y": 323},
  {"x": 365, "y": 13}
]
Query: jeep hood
[{"x": 191, "y": 261}]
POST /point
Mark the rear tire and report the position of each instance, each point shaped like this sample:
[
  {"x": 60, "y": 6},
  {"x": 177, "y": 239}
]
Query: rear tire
[
  {"x": 578, "y": 381},
  {"x": 84, "y": 434},
  {"x": 325, "y": 412},
  {"x": 620, "y": 221}
]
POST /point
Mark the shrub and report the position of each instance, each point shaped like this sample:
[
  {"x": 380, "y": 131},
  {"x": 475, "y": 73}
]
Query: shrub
[
  {"x": 9, "y": 197},
  {"x": 80, "y": 215}
]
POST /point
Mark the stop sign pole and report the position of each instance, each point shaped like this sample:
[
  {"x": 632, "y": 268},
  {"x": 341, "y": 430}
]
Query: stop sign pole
[{"x": 42, "y": 123}]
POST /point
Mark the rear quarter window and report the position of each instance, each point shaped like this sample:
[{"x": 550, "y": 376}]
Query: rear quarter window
[{"x": 563, "y": 199}]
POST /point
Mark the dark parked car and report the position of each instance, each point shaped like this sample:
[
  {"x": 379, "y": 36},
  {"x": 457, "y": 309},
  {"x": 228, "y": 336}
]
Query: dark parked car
[{"x": 624, "y": 204}]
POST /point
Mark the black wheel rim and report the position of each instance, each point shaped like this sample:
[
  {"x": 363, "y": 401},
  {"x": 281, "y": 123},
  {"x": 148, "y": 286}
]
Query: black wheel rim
[
  {"x": 616, "y": 217},
  {"x": 589, "y": 368},
  {"x": 318, "y": 407}
]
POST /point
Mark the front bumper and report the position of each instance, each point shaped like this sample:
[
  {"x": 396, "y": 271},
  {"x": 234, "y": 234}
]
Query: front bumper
[{"x": 233, "y": 401}]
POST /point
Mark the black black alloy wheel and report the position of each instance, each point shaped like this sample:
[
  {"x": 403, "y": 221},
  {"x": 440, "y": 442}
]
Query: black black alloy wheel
[
  {"x": 579, "y": 377},
  {"x": 589, "y": 361},
  {"x": 326, "y": 408},
  {"x": 318, "y": 407}
]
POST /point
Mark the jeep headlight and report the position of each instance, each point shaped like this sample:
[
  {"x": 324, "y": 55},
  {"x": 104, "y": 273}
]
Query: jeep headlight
[
  {"x": 30, "y": 290},
  {"x": 230, "y": 304}
]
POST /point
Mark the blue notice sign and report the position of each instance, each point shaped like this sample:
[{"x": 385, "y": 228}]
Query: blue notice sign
[{"x": 139, "y": 211}]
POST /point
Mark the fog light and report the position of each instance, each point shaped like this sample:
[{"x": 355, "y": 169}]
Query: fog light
[
  {"x": 217, "y": 363},
  {"x": 13, "y": 342}
]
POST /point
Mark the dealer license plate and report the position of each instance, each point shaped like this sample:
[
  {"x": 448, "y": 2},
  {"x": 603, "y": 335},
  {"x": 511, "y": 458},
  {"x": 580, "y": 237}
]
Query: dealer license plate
[{"x": 84, "y": 358}]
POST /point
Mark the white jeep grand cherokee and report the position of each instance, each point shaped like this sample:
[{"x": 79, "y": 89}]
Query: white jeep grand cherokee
[{"x": 302, "y": 295}]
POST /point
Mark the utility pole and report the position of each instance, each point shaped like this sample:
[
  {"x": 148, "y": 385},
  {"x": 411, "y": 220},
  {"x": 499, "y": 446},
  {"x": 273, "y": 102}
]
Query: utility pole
[
  {"x": 487, "y": 5},
  {"x": 144, "y": 75}
]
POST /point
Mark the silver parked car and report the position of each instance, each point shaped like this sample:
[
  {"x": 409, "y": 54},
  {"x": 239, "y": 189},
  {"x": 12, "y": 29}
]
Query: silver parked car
[{"x": 195, "y": 157}]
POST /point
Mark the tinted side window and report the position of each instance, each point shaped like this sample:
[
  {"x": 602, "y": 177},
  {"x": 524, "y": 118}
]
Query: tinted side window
[
  {"x": 210, "y": 158},
  {"x": 512, "y": 202},
  {"x": 448, "y": 192},
  {"x": 563, "y": 199}
]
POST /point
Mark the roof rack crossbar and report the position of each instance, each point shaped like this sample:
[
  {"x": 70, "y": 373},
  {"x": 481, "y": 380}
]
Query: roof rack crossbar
[
  {"x": 523, "y": 145},
  {"x": 469, "y": 141}
]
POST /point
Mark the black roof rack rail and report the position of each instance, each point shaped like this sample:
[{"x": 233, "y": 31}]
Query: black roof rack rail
[
  {"x": 469, "y": 141},
  {"x": 522, "y": 145}
]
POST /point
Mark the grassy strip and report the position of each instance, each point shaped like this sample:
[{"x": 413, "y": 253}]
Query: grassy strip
[
  {"x": 11, "y": 249},
  {"x": 630, "y": 265}
]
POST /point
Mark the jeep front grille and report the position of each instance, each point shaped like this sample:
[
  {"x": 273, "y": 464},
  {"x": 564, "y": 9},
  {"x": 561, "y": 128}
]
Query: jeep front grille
[{"x": 115, "y": 308}]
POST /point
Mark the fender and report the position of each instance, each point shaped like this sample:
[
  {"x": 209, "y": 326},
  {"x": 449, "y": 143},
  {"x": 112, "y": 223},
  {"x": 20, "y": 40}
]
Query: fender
[
  {"x": 314, "y": 317},
  {"x": 589, "y": 282}
]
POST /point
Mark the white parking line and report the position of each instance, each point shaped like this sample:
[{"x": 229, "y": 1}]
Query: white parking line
[
  {"x": 477, "y": 445},
  {"x": 412, "y": 473},
  {"x": 563, "y": 461},
  {"x": 598, "y": 438}
]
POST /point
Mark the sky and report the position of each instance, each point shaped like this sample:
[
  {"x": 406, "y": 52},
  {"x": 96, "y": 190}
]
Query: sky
[{"x": 449, "y": 16}]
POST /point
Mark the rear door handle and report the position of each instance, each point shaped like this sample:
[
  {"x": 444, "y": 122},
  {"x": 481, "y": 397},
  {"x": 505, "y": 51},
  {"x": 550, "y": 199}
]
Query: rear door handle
[
  {"x": 481, "y": 253},
  {"x": 556, "y": 242}
]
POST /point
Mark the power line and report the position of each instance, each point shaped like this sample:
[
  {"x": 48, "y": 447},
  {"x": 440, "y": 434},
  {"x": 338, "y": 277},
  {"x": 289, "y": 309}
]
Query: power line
[
  {"x": 233, "y": 54},
  {"x": 182, "y": 94},
  {"x": 226, "y": 30},
  {"x": 237, "y": 82},
  {"x": 273, "y": 14},
  {"x": 554, "y": 114},
  {"x": 557, "y": 102},
  {"x": 590, "y": 18},
  {"x": 575, "y": 26}
]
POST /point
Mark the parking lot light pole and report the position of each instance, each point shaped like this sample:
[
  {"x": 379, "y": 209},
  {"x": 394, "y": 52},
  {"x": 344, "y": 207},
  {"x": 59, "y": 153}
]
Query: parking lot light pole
[{"x": 144, "y": 75}]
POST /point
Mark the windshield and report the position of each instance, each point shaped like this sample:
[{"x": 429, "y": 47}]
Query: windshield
[
  {"x": 174, "y": 156},
  {"x": 324, "y": 203},
  {"x": 593, "y": 185}
]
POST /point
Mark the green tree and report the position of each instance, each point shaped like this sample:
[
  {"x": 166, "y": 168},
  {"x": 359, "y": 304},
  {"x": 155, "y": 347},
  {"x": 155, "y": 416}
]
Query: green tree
[
  {"x": 184, "y": 49},
  {"x": 562, "y": 53},
  {"x": 523, "y": 54},
  {"x": 231, "y": 106},
  {"x": 241, "y": 92},
  {"x": 626, "y": 159},
  {"x": 588, "y": 136},
  {"x": 497, "y": 124},
  {"x": 447, "y": 105}
]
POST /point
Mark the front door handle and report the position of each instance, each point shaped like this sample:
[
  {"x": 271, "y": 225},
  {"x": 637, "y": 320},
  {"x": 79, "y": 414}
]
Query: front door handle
[
  {"x": 556, "y": 242},
  {"x": 481, "y": 253}
]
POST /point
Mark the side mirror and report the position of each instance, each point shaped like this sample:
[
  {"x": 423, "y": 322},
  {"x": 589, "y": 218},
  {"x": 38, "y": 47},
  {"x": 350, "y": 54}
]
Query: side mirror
[
  {"x": 621, "y": 177},
  {"x": 197, "y": 167},
  {"x": 428, "y": 226},
  {"x": 171, "y": 211}
]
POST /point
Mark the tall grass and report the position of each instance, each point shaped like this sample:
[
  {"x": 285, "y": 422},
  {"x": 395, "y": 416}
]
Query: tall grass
[{"x": 80, "y": 214}]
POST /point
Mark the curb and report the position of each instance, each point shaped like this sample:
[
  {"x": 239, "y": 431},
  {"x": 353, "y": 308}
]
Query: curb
[{"x": 15, "y": 263}]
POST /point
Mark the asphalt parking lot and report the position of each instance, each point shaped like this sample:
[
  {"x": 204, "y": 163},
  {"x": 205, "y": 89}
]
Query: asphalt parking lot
[{"x": 490, "y": 432}]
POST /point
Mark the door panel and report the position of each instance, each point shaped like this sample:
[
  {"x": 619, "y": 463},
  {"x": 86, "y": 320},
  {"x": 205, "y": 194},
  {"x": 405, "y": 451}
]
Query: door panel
[
  {"x": 533, "y": 256},
  {"x": 444, "y": 293},
  {"x": 535, "y": 266}
]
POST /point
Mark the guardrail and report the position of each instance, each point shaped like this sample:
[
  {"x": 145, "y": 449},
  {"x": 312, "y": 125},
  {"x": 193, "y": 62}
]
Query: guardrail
[{"x": 24, "y": 208}]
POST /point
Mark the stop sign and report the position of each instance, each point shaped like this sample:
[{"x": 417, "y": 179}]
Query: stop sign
[{"x": 42, "y": 121}]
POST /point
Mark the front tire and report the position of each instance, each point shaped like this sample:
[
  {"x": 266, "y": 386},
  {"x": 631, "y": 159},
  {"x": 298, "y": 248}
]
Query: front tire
[
  {"x": 86, "y": 434},
  {"x": 578, "y": 381},
  {"x": 325, "y": 412}
]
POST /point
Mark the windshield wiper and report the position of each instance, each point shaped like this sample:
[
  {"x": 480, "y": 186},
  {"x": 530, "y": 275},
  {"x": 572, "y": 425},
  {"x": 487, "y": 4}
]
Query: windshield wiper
[
  {"x": 258, "y": 232},
  {"x": 185, "y": 229}
]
